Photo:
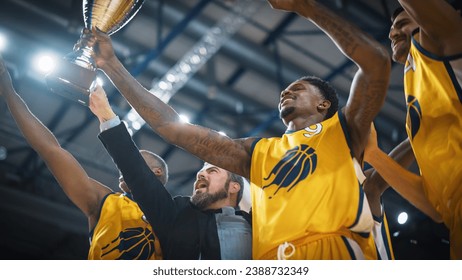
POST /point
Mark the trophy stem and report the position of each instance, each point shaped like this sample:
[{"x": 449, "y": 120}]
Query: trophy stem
[
  {"x": 74, "y": 77},
  {"x": 83, "y": 58}
]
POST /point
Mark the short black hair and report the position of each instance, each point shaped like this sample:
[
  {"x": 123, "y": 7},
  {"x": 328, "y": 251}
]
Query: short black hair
[
  {"x": 160, "y": 162},
  {"x": 396, "y": 12},
  {"x": 327, "y": 91}
]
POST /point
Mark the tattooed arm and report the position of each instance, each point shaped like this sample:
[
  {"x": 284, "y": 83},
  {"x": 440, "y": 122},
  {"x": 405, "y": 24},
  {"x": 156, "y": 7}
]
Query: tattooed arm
[
  {"x": 205, "y": 143},
  {"x": 369, "y": 86}
]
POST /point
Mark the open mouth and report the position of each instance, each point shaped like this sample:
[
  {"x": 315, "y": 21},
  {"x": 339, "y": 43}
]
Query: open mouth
[
  {"x": 285, "y": 100},
  {"x": 200, "y": 185},
  {"x": 397, "y": 43}
]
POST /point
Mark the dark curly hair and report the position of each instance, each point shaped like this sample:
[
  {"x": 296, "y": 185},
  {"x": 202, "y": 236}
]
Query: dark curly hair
[{"x": 327, "y": 91}]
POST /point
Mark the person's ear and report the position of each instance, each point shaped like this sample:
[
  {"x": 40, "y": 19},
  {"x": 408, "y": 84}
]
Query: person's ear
[
  {"x": 158, "y": 171},
  {"x": 324, "y": 105},
  {"x": 234, "y": 187}
]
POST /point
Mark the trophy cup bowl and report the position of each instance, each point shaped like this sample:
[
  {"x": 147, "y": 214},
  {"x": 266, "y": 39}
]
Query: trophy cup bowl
[{"x": 74, "y": 77}]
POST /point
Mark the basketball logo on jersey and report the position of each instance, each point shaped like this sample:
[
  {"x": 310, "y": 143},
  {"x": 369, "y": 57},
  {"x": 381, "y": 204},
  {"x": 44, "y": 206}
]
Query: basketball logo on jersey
[
  {"x": 313, "y": 130},
  {"x": 296, "y": 165},
  {"x": 414, "y": 114},
  {"x": 132, "y": 244}
]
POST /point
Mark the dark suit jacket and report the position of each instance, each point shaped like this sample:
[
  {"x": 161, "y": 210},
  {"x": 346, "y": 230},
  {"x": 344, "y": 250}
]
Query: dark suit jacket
[{"x": 184, "y": 231}]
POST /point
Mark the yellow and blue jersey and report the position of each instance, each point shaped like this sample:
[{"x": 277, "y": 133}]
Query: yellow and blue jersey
[
  {"x": 122, "y": 232},
  {"x": 382, "y": 238},
  {"x": 305, "y": 191},
  {"x": 433, "y": 93}
]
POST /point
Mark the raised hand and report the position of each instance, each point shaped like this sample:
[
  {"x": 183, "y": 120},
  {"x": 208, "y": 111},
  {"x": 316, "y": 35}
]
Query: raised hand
[
  {"x": 103, "y": 49},
  {"x": 99, "y": 105},
  {"x": 101, "y": 44}
]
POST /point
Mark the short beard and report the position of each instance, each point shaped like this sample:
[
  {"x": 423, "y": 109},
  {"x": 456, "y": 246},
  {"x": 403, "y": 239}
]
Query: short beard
[
  {"x": 402, "y": 53},
  {"x": 286, "y": 112},
  {"x": 204, "y": 199}
]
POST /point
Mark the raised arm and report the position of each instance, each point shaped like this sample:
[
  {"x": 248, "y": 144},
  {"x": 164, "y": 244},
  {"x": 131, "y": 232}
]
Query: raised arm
[
  {"x": 440, "y": 25},
  {"x": 390, "y": 170},
  {"x": 150, "y": 194},
  {"x": 83, "y": 191},
  {"x": 370, "y": 83},
  {"x": 207, "y": 144}
]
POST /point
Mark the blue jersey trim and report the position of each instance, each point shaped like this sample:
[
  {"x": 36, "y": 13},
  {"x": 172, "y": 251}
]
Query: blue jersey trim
[
  {"x": 445, "y": 59},
  {"x": 430, "y": 54},
  {"x": 350, "y": 250},
  {"x": 252, "y": 147},
  {"x": 344, "y": 126},
  {"x": 360, "y": 206},
  {"x": 386, "y": 241},
  {"x": 453, "y": 77}
]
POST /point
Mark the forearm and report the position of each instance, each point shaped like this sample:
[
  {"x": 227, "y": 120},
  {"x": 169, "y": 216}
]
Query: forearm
[
  {"x": 36, "y": 134},
  {"x": 202, "y": 142},
  {"x": 401, "y": 154},
  {"x": 406, "y": 183},
  {"x": 425, "y": 14},
  {"x": 152, "y": 197},
  {"x": 361, "y": 48},
  {"x": 438, "y": 21},
  {"x": 153, "y": 110}
]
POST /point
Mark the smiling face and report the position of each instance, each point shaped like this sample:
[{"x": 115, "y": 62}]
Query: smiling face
[
  {"x": 400, "y": 36},
  {"x": 211, "y": 186},
  {"x": 299, "y": 99}
]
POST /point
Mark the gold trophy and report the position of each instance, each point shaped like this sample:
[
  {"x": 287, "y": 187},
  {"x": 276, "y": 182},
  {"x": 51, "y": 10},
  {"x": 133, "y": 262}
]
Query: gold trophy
[{"x": 74, "y": 77}]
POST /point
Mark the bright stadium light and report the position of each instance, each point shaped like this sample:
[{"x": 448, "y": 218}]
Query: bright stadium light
[
  {"x": 184, "y": 118},
  {"x": 402, "y": 218},
  {"x": 44, "y": 63},
  {"x": 3, "y": 42}
]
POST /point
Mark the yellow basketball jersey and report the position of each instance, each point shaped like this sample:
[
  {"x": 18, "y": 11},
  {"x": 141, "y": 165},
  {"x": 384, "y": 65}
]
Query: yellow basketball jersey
[
  {"x": 305, "y": 191},
  {"x": 382, "y": 238},
  {"x": 122, "y": 232},
  {"x": 434, "y": 126}
]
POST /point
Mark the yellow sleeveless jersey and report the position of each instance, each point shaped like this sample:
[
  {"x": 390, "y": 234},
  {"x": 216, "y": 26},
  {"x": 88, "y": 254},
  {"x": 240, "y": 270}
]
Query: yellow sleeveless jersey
[
  {"x": 434, "y": 126},
  {"x": 305, "y": 192},
  {"x": 122, "y": 232},
  {"x": 382, "y": 238}
]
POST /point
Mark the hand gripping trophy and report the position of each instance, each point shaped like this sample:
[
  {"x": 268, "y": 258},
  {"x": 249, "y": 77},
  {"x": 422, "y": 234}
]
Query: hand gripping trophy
[{"x": 75, "y": 75}]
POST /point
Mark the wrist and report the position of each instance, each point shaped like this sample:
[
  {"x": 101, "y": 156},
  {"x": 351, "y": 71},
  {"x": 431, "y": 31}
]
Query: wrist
[
  {"x": 107, "y": 117},
  {"x": 113, "y": 122},
  {"x": 371, "y": 156},
  {"x": 110, "y": 63}
]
